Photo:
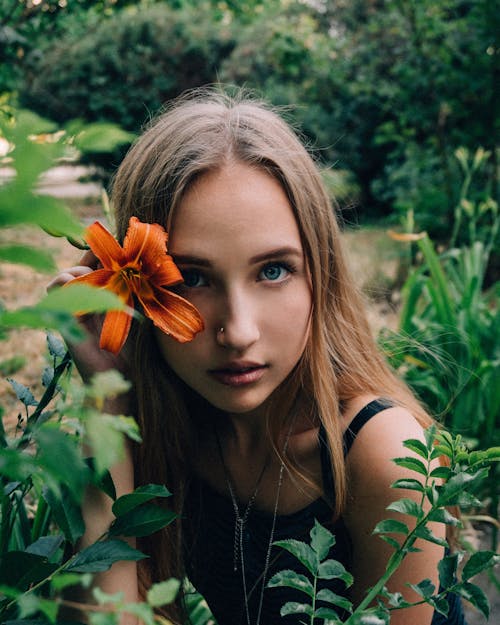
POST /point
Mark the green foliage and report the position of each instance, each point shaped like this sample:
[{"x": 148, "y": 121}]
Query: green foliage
[
  {"x": 127, "y": 67},
  {"x": 466, "y": 469}
]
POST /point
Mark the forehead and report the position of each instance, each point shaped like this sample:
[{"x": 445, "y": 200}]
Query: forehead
[{"x": 238, "y": 206}]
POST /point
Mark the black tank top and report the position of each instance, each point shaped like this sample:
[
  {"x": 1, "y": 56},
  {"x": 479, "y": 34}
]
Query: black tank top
[{"x": 209, "y": 542}]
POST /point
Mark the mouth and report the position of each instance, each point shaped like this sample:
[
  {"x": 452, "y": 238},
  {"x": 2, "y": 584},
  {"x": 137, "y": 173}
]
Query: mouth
[{"x": 239, "y": 374}]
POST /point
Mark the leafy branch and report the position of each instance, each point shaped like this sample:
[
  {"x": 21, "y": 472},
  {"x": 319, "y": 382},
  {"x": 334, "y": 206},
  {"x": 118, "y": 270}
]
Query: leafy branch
[{"x": 440, "y": 488}]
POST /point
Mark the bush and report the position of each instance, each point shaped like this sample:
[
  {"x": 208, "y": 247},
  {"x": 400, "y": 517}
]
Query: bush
[{"x": 126, "y": 67}]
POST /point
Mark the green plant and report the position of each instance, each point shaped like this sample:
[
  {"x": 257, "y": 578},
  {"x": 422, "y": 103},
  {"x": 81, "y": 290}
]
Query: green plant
[{"x": 462, "y": 477}]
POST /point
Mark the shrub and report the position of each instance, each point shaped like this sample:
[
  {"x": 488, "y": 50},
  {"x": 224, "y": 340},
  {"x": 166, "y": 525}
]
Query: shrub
[{"x": 126, "y": 67}]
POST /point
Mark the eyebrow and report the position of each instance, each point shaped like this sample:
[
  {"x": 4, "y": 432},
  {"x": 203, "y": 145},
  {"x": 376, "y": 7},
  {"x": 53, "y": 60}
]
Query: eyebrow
[{"x": 269, "y": 255}]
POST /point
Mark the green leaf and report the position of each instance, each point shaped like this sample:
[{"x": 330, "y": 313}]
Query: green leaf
[
  {"x": 331, "y": 569},
  {"x": 108, "y": 384},
  {"x": 441, "y": 515},
  {"x": 66, "y": 513},
  {"x": 391, "y": 541},
  {"x": 423, "y": 532},
  {"x": 391, "y": 526},
  {"x": 305, "y": 554},
  {"x": 450, "y": 491},
  {"x": 23, "y": 393},
  {"x": 440, "y": 604},
  {"x": 60, "y": 581},
  {"x": 101, "y": 555},
  {"x": 417, "y": 446},
  {"x": 441, "y": 472},
  {"x": 163, "y": 593},
  {"x": 141, "y": 495},
  {"x": 46, "y": 546},
  {"x": 56, "y": 347},
  {"x": 103, "y": 618},
  {"x": 40, "y": 260},
  {"x": 19, "y": 569},
  {"x": 292, "y": 607},
  {"x": 102, "y": 137},
  {"x": 141, "y": 521},
  {"x": 291, "y": 579},
  {"x": 374, "y": 616},
  {"x": 430, "y": 436},
  {"x": 325, "y": 594},
  {"x": 478, "y": 562},
  {"x": 56, "y": 451},
  {"x": 411, "y": 463},
  {"x": 406, "y": 506},
  {"x": 425, "y": 588},
  {"x": 476, "y": 596},
  {"x": 447, "y": 568},
  {"x": 329, "y": 615},
  {"x": 408, "y": 484},
  {"x": 80, "y": 298},
  {"x": 321, "y": 540}
]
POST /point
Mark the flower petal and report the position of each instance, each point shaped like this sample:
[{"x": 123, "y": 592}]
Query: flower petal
[
  {"x": 99, "y": 278},
  {"x": 105, "y": 246},
  {"x": 115, "y": 330},
  {"x": 167, "y": 274},
  {"x": 146, "y": 243},
  {"x": 173, "y": 315}
]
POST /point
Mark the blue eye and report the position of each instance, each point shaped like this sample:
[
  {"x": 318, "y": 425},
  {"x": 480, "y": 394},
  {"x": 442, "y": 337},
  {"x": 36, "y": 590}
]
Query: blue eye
[
  {"x": 274, "y": 272},
  {"x": 193, "y": 278}
]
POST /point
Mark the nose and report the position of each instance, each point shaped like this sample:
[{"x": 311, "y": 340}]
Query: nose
[{"x": 238, "y": 328}]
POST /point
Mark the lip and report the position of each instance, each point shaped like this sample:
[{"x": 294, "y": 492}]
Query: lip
[{"x": 238, "y": 373}]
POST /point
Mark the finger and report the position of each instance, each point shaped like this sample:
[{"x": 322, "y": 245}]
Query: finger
[
  {"x": 89, "y": 259},
  {"x": 67, "y": 275}
]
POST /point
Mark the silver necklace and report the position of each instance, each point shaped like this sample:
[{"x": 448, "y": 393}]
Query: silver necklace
[{"x": 239, "y": 525}]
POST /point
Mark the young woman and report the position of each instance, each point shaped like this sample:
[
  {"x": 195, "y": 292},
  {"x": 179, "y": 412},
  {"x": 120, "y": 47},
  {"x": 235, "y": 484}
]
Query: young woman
[{"x": 282, "y": 410}]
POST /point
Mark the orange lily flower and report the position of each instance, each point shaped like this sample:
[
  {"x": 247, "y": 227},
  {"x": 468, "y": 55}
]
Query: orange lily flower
[{"x": 141, "y": 269}]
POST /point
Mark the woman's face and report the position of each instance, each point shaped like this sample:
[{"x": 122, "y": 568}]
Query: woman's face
[{"x": 235, "y": 239}]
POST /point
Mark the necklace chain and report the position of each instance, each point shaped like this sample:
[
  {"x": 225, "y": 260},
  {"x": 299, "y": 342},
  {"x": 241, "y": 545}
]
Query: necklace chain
[{"x": 239, "y": 525}]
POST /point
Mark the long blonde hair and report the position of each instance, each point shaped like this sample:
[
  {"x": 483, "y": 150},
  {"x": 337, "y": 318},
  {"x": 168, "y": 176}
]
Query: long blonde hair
[{"x": 198, "y": 134}]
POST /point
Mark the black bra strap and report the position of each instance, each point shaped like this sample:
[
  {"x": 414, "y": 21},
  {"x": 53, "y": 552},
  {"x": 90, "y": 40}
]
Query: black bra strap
[{"x": 362, "y": 417}]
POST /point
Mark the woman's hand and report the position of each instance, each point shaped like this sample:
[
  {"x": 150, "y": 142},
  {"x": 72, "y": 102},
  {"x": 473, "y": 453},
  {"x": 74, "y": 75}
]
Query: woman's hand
[{"x": 89, "y": 358}]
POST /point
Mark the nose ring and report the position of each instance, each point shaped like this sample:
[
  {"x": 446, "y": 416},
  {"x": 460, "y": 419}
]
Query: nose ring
[{"x": 219, "y": 335}]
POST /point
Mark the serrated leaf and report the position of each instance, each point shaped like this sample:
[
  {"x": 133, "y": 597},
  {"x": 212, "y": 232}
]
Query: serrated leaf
[
  {"x": 425, "y": 588},
  {"x": 411, "y": 463},
  {"x": 406, "y": 506},
  {"x": 329, "y": 615},
  {"x": 391, "y": 526},
  {"x": 441, "y": 515},
  {"x": 417, "y": 446},
  {"x": 305, "y": 554},
  {"x": 56, "y": 347},
  {"x": 408, "y": 484},
  {"x": 163, "y": 593},
  {"x": 102, "y": 555},
  {"x": 293, "y": 607},
  {"x": 142, "y": 521},
  {"x": 479, "y": 561},
  {"x": 322, "y": 540},
  {"x": 476, "y": 596},
  {"x": 291, "y": 579},
  {"x": 441, "y": 472},
  {"x": 447, "y": 568},
  {"x": 440, "y": 604},
  {"x": 23, "y": 393},
  {"x": 325, "y": 594},
  {"x": 141, "y": 495},
  {"x": 331, "y": 569},
  {"x": 451, "y": 490},
  {"x": 423, "y": 532}
]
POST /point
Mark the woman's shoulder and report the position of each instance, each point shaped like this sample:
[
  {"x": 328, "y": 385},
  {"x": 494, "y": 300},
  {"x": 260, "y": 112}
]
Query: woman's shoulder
[{"x": 379, "y": 440}]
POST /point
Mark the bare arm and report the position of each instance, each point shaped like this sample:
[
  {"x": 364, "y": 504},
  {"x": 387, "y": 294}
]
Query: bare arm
[{"x": 371, "y": 471}]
